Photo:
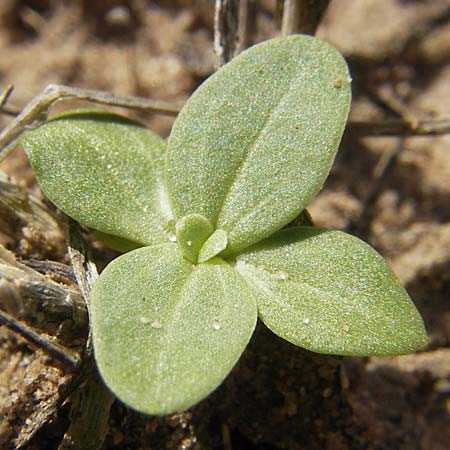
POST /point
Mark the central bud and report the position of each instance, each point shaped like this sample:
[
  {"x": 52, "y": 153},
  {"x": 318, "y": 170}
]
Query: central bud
[{"x": 197, "y": 239}]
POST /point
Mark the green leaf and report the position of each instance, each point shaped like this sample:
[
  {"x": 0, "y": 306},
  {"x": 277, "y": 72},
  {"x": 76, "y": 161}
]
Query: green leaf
[
  {"x": 255, "y": 142},
  {"x": 192, "y": 231},
  {"x": 105, "y": 171},
  {"x": 115, "y": 242},
  {"x": 215, "y": 244},
  {"x": 166, "y": 332},
  {"x": 330, "y": 292}
]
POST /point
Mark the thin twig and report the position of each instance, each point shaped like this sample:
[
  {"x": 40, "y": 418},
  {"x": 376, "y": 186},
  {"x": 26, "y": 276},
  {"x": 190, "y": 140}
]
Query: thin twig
[
  {"x": 385, "y": 98},
  {"x": 62, "y": 354},
  {"x": 35, "y": 113},
  {"x": 226, "y": 30},
  {"x": 393, "y": 103},
  {"x": 246, "y": 25},
  {"x": 8, "y": 108},
  {"x": 400, "y": 127},
  {"x": 4, "y": 96},
  {"x": 302, "y": 16},
  {"x": 408, "y": 122}
]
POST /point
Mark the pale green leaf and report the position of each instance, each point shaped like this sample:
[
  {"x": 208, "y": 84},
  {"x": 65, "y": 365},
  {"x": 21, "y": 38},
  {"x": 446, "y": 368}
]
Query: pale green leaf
[
  {"x": 255, "y": 142},
  {"x": 103, "y": 170},
  {"x": 192, "y": 231},
  {"x": 115, "y": 242},
  {"x": 330, "y": 292},
  {"x": 215, "y": 244},
  {"x": 166, "y": 333}
]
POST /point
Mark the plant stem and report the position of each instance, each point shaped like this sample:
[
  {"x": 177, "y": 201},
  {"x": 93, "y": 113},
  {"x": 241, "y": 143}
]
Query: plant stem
[
  {"x": 35, "y": 113},
  {"x": 400, "y": 127},
  {"x": 226, "y": 29},
  {"x": 4, "y": 97},
  {"x": 302, "y": 16},
  {"x": 89, "y": 414},
  {"x": 246, "y": 25}
]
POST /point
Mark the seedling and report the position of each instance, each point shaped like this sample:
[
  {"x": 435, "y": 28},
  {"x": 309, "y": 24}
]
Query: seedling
[{"x": 202, "y": 223}]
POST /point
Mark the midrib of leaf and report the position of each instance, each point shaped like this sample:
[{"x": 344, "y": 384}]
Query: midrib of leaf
[
  {"x": 260, "y": 285},
  {"x": 161, "y": 190},
  {"x": 255, "y": 211},
  {"x": 265, "y": 291},
  {"x": 250, "y": 150},
  {"x": 174, "y": 316},
  {"x": 163, "y": 199},
  {"x": 164, "y": 332}
]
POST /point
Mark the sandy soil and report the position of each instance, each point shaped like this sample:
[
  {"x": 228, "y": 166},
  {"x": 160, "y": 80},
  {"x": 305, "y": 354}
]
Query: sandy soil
[{"x": 279, "y": 396}]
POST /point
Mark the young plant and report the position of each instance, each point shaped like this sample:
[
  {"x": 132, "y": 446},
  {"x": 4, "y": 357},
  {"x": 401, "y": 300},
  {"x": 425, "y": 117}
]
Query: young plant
[{"x": 205, "y": 217}]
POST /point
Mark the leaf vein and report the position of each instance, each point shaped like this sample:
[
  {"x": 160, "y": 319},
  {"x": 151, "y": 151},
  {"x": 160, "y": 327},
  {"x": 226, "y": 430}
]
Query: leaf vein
[{"x": 245, "y": 158}]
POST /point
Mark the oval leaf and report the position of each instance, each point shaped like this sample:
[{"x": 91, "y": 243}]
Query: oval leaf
[
  {"x": 103, "y": 170},
  {"x": 215, "y": 244},
  {"x": 255, "y": 142},
  {"x": 192, "y": 232},
  {"x": 330, "y": 292},
  {"x": 166, "y": 333}
]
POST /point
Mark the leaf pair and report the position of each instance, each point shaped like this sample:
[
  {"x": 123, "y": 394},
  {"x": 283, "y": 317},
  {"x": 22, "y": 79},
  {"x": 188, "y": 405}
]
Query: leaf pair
[{"x": 247, "y": 153}]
